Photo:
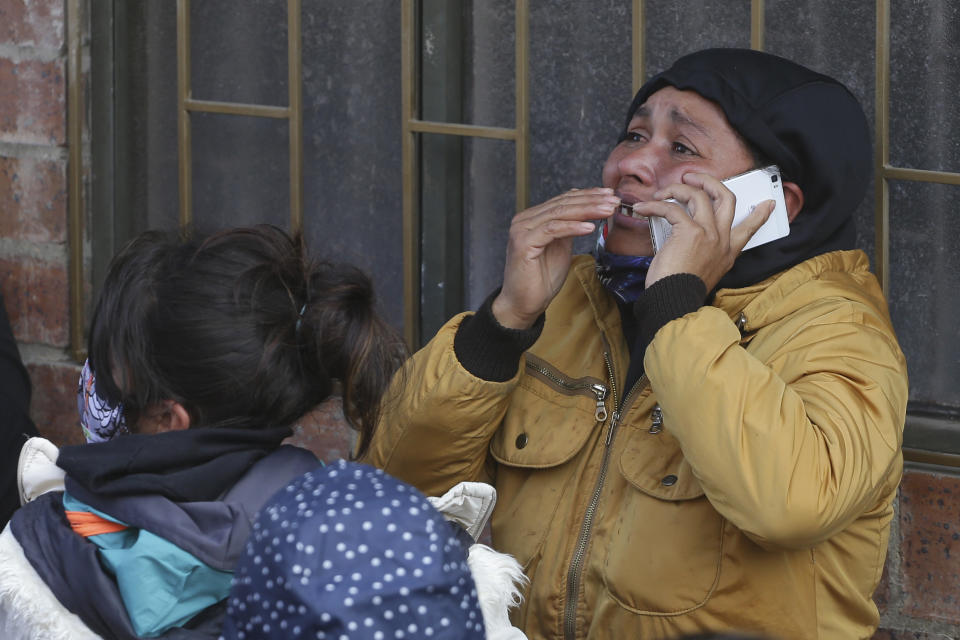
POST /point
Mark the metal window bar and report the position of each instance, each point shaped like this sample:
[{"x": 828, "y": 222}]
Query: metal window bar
[
  {"x": 639, "y": 33},
  {"x": 882, "y": 146},
  {"x": 757, "y": 24},
  {"x": 414, "y": 126},
  {"x": 293, "y": 113},
  {"x": 75, "y": 202}
]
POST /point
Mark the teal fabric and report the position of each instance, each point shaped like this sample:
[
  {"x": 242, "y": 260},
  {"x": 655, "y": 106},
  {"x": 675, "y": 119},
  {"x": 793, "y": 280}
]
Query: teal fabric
[{"x": 162, "y": 585}]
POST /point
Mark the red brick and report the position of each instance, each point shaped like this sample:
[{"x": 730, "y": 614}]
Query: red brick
[
  {"x": 883, "y": 596},
  {"x": 36, "y": 295},
  {"x": 325, "y": 432},
  {"x": 32, "y": 102},
  {"x": 53, "y": 405},
  {"x": 33, "y": 199},
  {"x": 38, "y": 23},
  {"x": 930, "y": 547}
]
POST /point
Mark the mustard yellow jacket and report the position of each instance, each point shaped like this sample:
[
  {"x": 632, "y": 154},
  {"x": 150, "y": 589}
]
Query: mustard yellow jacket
[{"x": 745, "y": 483}]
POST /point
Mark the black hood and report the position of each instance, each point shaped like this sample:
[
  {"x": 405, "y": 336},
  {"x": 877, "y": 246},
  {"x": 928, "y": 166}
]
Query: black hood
[
  {"x": 807, "y": 123},
  {"x": 187, "y": 465}
]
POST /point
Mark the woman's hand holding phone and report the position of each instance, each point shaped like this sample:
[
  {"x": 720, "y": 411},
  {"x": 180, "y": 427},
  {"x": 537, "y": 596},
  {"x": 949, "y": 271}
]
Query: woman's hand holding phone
[{"x": 704, "y": 241}]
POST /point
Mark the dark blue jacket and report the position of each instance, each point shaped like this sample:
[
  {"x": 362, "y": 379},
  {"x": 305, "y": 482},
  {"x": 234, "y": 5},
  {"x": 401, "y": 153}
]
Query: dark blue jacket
[{"x": 199, "y": 489}]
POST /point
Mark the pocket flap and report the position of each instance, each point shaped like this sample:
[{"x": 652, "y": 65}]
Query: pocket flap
[
  {"x": 654, "y": 464},
  {"x": 543, "y": 428}
]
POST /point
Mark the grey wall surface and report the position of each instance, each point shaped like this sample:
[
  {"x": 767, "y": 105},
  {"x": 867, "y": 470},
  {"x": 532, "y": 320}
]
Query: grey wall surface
[
  {"x": 351, "y": 102},
  {"x": 580, "y": 86},
  {"x": 924, "y": 220}
]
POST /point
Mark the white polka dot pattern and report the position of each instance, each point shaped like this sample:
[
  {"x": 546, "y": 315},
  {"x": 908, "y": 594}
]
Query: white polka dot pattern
[{"x": 348, "y": 551}]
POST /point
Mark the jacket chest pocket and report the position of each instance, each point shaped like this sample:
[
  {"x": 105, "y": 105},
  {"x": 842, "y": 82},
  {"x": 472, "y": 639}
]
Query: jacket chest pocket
[
  {"x": 666, "y": 541},
  {"x": 551, "y": 419}
]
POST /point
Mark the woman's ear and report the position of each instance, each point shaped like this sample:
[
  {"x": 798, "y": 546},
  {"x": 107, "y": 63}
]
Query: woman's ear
[
  {"x": 793, "y": 198},
  {"x": 167, "y": 415},
  {"x": 178, "y": 418}
]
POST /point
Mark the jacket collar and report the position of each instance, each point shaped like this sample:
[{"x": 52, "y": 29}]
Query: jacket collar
[
  {"x": 188, "y": 465},
  {"x": 843, "y": 274},
  {"x": 603, "y": 304}
]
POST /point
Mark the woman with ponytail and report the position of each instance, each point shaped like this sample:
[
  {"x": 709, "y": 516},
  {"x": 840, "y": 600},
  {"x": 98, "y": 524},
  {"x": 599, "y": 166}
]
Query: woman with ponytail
[
  {"x": 240, "y": 330},
  {"x": 202, "y": 354}
]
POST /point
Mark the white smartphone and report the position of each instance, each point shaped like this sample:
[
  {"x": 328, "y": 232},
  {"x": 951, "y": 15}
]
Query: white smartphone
[{"x": 750, "y": 188}]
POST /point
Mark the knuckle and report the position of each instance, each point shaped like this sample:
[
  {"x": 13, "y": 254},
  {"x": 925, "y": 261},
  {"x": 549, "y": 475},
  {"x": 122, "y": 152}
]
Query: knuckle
[
  {"x": 517, "y": 230},
  {"x": 552, "y": 227}
]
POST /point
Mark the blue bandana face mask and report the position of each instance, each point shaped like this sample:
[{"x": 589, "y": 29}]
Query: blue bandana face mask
[
  {"x": 99, "y": 420},
  {"x": 623, "y": 276}
]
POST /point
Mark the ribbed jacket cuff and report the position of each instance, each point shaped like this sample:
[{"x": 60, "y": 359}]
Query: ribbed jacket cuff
[
  {"x": 667, "y": 299},
  {"x": 489, "y": 350}
]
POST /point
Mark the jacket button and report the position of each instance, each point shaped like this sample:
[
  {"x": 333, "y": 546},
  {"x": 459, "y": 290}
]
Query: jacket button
[
  {"x": 669, "y": 481},
  {"x": 522, "y": 440}
]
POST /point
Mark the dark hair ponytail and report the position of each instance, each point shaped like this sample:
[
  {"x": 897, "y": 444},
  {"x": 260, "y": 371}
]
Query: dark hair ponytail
[
  {"x": 243, "y": 329},
  {"x": 350, "y": 341}
]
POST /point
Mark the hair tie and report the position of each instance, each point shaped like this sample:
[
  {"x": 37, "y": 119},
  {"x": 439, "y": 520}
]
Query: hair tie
[{"x": 300, "y": 318}]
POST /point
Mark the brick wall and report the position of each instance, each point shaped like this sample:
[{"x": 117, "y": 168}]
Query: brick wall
[
  {"x": 33, "y": 204},
  {"x": 920, "y": 594}
]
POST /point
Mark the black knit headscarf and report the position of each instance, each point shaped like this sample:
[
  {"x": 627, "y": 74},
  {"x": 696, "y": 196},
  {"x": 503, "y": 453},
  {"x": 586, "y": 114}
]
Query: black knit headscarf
[{"x": 807, "y": 123}]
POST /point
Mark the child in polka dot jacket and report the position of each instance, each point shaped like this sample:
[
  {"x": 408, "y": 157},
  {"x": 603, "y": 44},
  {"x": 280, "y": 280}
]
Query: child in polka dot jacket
[{"x": 348, "y": 551}]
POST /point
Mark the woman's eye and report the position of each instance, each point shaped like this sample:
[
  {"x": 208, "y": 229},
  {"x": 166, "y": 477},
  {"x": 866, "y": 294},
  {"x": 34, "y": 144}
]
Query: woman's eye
[
  {"x": 634, "y": 136},
  {"x": 682, "y": 149}
]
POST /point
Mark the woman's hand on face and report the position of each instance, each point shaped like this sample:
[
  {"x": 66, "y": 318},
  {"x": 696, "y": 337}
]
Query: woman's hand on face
[
  {"x": 540, "y": 249},
  {"x": 701, "y": 241}
]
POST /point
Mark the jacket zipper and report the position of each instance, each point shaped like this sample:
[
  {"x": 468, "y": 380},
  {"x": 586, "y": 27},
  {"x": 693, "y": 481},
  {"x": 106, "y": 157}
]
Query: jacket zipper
[
  {"x": 575, "y": 572},
  {"x": 595, "y": 389}
]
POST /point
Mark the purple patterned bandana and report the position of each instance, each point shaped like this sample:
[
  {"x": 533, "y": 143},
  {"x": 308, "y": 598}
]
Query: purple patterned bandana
[
  {"x": 623, "y": 276},
  {"x": 100, "y": 422}
]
